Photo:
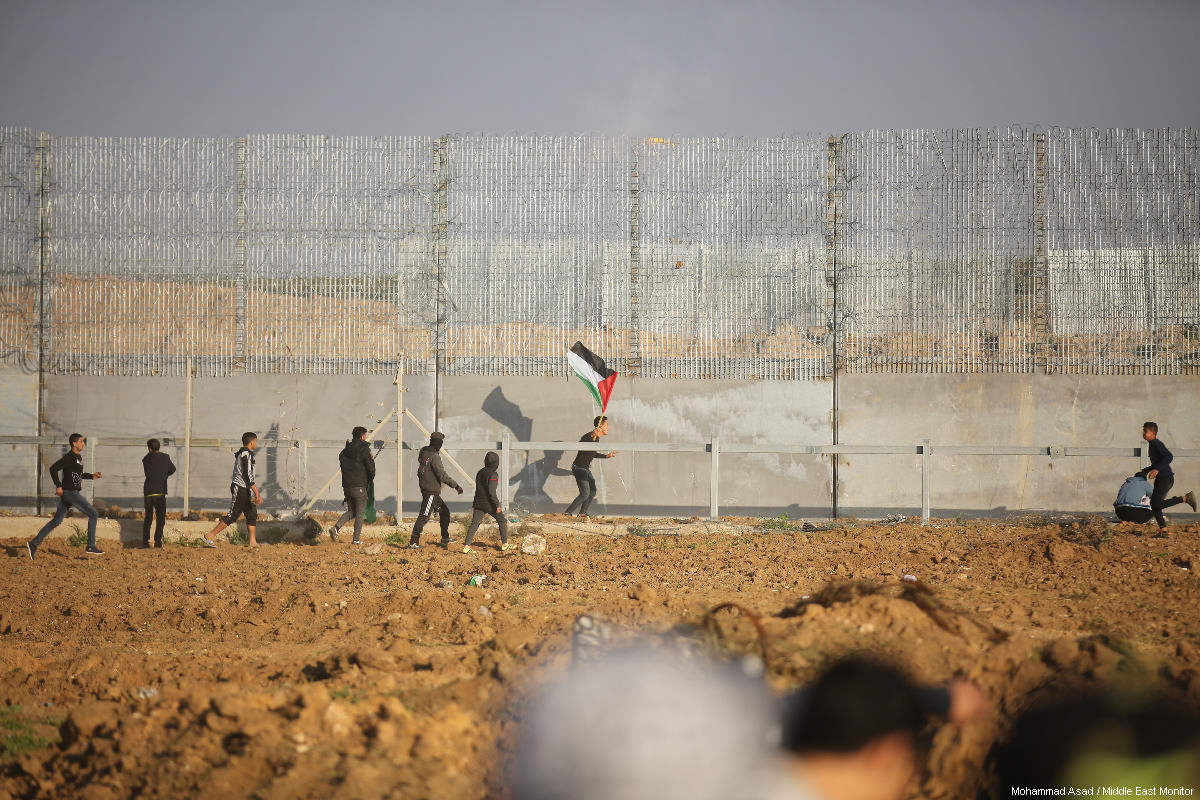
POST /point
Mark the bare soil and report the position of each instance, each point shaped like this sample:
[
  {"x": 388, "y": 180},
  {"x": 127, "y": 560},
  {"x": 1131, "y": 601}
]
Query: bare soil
[{"x": 322, "y": 670}]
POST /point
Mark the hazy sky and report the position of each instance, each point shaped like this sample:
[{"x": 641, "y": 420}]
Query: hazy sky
[{"x": 656, "y": 67}]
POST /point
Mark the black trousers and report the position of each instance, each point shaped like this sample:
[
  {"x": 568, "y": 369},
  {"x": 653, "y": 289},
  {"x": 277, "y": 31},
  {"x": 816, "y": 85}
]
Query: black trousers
[
  {"x": 587, "y": 490},
  {"x": 431, "y": 503},
  {"x": 1158, "y": 500},
  {"x": 156, "y": 506}
]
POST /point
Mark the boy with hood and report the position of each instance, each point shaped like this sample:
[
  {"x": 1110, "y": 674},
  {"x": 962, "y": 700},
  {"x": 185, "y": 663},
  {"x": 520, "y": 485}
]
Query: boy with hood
[
  {"x": 431, "y": 475},
  {"x": 358, "y": 473},
  {"x": 487, "y": 502}
]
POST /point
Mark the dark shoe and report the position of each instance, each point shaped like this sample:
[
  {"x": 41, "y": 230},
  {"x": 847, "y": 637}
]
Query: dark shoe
[
  {"x": 447, "y": 542},
  {"x": 1162, "y": 534},
  {"x": 32, "y": 548},
  {"x": 333, "y": 534},
  {"x": 92, "y": 550},
  {"x": 1190, "y": 499},
  {"x": 415, "y": 546}
]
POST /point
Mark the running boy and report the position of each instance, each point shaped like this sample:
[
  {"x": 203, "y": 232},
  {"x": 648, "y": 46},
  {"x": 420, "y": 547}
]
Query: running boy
[
  {"x": 240, "y": 488},
  {"x": 1160, "y": 472},
  {"x": 69, "y": 489}
]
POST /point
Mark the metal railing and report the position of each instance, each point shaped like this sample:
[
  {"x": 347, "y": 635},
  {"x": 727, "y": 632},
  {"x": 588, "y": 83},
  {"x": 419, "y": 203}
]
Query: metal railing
[{"x": 926, "y": 451}]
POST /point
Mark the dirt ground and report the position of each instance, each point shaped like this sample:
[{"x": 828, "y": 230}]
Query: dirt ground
[{"x": 322, "y": 670}]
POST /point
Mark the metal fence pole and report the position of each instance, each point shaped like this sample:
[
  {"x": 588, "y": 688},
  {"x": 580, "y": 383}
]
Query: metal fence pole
[
  {"x": 713, "y": 481},
  {"x": 505, "y": 449},
  {"x": 926, "y": 449},
  {"x": 187, "y": 441}
]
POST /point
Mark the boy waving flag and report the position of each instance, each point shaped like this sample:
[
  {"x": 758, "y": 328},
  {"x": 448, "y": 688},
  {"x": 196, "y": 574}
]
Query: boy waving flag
[{"x": 591, "y": 370}]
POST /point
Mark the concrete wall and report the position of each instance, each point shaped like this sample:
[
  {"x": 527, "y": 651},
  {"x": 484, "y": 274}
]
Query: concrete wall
[
  {"x": 981, "y": 410},
  {"x": 1017, "y": 410}
]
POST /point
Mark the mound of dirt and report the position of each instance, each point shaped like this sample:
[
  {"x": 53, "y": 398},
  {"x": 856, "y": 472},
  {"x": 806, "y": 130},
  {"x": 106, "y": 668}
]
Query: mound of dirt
[{"x": 322, "y": 670}]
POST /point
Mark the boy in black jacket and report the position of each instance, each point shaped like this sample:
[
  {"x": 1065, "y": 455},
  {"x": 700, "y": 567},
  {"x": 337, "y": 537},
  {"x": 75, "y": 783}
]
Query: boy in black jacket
[
  {"x": 487, "y": 503},
  {"x": 358, "y": 473},
  {"x": 431, "y": 475},
  {"x": 157, "y": 466},
  {"x": 69, "y": 489},
  {"x": 1161, "y": 473}
]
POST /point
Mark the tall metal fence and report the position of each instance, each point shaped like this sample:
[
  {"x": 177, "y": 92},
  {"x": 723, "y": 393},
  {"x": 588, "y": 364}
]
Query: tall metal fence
[{"x": 982, "y": 250}]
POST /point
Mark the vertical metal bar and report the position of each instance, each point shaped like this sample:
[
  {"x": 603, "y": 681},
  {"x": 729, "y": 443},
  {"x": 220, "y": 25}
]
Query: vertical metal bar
[
  {"x": 187, "y": 439},
  {"x": 43, "y": 154},
  {"x": 505, "y": 449},
  {"x": 302, "y": 471},
  {"x": 713, "y": 481},
  {"x": 93, "y": 446},
  {"x": 832, "y": 210},
  {"x": 926, "y": 450},
  {"x": 400, "y": 437}
]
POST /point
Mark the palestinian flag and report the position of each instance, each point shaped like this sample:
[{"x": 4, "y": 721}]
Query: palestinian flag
[{"x": 591, "y": 370}]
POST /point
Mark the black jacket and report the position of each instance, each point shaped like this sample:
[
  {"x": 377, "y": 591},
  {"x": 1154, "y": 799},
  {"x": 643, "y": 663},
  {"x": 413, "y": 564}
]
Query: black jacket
[
  {"x": 584, "y": 457},
  {"x": 157, "y": 465},
  {"x": 430, "y": 472},
  {"x": 71, "y": 467},
  {"x": 358, "y": 465},
  {"x": 486, "y": 482},
  {"x": 1160, "y": 459}
]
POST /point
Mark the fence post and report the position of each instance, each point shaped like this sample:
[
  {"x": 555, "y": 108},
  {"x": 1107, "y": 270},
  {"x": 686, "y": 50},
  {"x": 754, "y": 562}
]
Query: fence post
[
  {"x": 713, "y": 483},
  {"x": 302, "y": 468},
  {"x": 505, "y": 449},
  {"x": 925, "y": 452},
  {"x": 93, "y": 446},
  {"x": 187, "y": 442}
]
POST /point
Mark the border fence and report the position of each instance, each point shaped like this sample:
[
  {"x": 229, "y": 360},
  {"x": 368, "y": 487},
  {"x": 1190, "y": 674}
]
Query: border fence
[
  {"x": 306, "y": 497},
  {"x": 980, "y": 250}
]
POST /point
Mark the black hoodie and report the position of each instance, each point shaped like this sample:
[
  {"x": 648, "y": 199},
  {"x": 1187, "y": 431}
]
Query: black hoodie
[
  {"x": 358, "y": 465},
  {"x": 486, "y": 482}
]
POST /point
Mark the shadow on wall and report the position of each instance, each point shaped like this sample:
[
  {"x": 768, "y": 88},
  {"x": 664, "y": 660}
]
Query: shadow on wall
[
  {"x": 531, "y": 478},
  {"x": 273, "y": 491}
]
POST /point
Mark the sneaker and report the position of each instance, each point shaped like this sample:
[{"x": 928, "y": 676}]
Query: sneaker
[
  {"x": 415, "y": 546},
  {"x": 1162, "y": 534},
  {"x": 333, "y": 534},
  {"x": 447, "y": 542},
  {"x": 1190, "y": 499},
  {"x": 32, "y": 548},
  {"x": 209, "y": 543},
  {"x": 507, "y": 547},
  {"x": 357, "y": 541},
  {"x": 92, "y": 550},
  {"x": 468, "y": 549}
]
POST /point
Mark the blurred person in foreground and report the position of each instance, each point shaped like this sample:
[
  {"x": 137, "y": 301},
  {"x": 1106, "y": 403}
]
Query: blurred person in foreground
[
  {"x": 855, "y": 734},
  {"x": 643, "y": 725},
  {"x": 1127, "y": 745}
]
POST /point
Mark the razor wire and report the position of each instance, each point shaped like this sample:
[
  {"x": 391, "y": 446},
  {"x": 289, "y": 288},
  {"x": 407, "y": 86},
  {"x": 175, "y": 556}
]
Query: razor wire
[{"x": 976, "y": 250}]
